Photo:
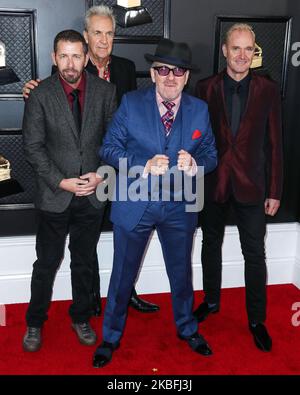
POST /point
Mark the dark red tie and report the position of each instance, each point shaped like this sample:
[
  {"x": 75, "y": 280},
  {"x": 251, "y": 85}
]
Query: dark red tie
[{"x": 168, "y": 118}]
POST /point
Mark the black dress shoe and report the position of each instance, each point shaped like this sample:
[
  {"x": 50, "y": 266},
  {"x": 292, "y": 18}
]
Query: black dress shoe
[
  {"x": 96, "y": 304},
  {"x": 142, "y": 305},
  {"x": 197, "y": 344},
  {"x": 261, "y": 337},
  {"x": 204, "y": 310},
  {"x": 103, "y": 354}
]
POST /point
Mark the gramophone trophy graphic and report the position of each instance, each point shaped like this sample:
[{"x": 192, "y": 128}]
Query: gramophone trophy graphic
[
  {"x": 257, "y": 61},
  {"x": 8, "y": 185},
  {"x": 7, "y": 74},
  {"x": 257, "y": 64},
  {"x": 131, "y": 13}
]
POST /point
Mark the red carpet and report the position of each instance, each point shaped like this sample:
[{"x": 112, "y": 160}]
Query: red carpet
[{"x": 150, "y": 345}]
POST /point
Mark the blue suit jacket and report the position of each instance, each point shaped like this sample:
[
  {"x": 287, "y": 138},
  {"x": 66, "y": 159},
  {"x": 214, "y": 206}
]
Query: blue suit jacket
[{"x": 136, "y": 133}]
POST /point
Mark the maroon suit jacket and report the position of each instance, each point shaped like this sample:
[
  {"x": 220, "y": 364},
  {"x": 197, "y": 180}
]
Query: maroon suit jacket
[{"x": 249, "y": 164}]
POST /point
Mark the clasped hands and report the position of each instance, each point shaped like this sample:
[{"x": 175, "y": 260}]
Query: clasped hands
[
  {"x": 159, "y": 164},
  {"x": 85, "y": 185}
]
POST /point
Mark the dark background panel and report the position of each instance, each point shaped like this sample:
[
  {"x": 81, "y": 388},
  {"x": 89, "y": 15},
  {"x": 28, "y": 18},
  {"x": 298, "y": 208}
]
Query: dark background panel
[
  {"x": 153, "y": 30},
  {"x": 17, "y": 31},
  {"x": 12, "y": 150},
  {"x": 192, "y": 21},
  {"x": 51, "y": 16},
  {"x": 270, "y": 34}
]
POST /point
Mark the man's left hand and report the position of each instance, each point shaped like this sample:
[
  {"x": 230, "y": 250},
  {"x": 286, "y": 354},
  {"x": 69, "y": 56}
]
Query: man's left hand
[
  {"x": 93, "y": 180},
  {"x": 271, "y": 206},
  {"x": 184, "y": 161}
]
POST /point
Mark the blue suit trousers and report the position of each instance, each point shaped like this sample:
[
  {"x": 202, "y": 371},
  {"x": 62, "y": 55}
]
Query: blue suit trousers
[{"x": 175, "y": 230}]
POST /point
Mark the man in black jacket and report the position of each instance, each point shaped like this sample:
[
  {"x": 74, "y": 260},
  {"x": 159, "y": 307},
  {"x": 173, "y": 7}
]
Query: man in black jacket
[{"x": 99, "y": 30}]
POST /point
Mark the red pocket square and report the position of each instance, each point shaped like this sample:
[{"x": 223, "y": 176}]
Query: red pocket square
[{"x": 196, "y": 135}]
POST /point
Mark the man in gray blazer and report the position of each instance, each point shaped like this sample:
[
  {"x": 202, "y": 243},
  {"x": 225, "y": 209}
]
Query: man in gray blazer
[
  {"x": 64, "y": 121},
  {"x": 99, "y": 31}
]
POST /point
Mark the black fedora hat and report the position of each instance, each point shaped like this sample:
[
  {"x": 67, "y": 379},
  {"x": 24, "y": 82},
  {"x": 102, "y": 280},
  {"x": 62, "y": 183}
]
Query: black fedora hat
[{"x": 171, "y": 52}]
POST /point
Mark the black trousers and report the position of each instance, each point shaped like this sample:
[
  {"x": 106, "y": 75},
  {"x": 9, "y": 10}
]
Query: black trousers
[
  {"x": 96, "y": 276},
  {"x": 251, "y": 226},
  {"x": 83, "y": 223}
]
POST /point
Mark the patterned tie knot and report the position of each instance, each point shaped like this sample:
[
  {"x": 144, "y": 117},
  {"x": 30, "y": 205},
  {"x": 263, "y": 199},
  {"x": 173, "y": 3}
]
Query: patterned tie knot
[
  {"x": 169, "y": 105},
  {"x": 168, "y": 117}
]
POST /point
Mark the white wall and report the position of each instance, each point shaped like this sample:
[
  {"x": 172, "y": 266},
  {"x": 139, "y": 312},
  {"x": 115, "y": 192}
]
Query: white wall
[
  {"x": 17, "y": 255},
  {"x": 296, "y": 274}
]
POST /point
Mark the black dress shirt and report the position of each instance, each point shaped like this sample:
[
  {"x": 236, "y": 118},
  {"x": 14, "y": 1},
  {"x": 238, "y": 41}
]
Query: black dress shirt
[{"x": 230, "y": 85}]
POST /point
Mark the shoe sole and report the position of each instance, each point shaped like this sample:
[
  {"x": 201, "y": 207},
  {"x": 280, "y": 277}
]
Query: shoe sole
[
  {"x": 25, "y": 348},
  {"x": 204, "y": 355},
  {"x": 143, "y": 311},
  {"x": 260, "y": 346}
]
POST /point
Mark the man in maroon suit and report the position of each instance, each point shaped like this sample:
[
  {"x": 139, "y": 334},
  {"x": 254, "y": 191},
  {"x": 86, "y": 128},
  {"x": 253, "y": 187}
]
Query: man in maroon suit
[{"x": 246, "y": 119}]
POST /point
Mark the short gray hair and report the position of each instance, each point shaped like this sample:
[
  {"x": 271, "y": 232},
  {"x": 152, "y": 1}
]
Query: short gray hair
[
  {"x": 99, "y": 10},
  {"x": 240, "y": 27}
]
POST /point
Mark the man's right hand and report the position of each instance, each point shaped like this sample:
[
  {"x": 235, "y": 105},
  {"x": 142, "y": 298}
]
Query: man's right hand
[
  {"x": 74, "y": 185},
  {"x": 158, "y": 165},
  {"x": 29, "y": 86}
]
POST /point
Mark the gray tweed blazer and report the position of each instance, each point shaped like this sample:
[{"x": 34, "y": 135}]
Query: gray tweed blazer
[{"x": 52, "y": 143}]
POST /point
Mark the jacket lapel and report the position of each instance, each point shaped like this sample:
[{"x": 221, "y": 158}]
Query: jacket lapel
[
  {"x": 88, "y": 101},
  {"x": 153, "y": 119},
  {"x": 186, "y": 114},
  {"x": 63, "y": 104},
  {"x": 250, "y": 105},
  {"x": 220, "y": 99},
  {"x": 250, "y": 100}
]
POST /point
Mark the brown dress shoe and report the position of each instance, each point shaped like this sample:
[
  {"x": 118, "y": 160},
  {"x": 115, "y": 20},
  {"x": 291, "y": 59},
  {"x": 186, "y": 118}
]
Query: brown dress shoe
[
  {"x": 32, "y": 340},
  {"x": 85, "y": 333}
]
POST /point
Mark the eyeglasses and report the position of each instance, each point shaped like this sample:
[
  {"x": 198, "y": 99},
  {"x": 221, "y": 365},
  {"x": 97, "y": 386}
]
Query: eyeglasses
[{"x": 165, "y": 70}]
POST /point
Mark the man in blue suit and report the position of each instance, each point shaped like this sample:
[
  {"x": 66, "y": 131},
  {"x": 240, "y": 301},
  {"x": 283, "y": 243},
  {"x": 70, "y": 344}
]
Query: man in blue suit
[{"x": 158, "y": 129}]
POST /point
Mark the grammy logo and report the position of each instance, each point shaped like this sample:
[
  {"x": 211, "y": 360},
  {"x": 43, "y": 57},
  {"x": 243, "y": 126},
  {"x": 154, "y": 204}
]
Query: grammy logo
[
  {"x": 2, "y": 54},
  {"x": 130, "y": 13},
  {"x": 129, "y": 3},
  {"x": 8, "y": 185},
  {"x": 4, "y": 169},
  {"x": 258, "y": 58}
]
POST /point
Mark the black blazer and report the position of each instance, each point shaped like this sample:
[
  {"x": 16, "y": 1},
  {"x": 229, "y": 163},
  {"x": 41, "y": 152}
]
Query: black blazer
[{"x": 122, "y": 74}]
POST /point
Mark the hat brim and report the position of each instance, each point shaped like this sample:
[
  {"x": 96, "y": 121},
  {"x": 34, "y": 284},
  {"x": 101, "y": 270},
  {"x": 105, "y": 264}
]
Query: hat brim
[{"x": 171, "y": 61}]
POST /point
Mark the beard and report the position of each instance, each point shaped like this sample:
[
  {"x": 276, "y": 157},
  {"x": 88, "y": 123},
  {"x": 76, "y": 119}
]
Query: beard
[{"x": 71, "y": 75}]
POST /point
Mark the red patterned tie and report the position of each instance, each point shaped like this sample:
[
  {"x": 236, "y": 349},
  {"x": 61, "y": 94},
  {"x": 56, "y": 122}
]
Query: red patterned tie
[{"x": 168, "y": 118}]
